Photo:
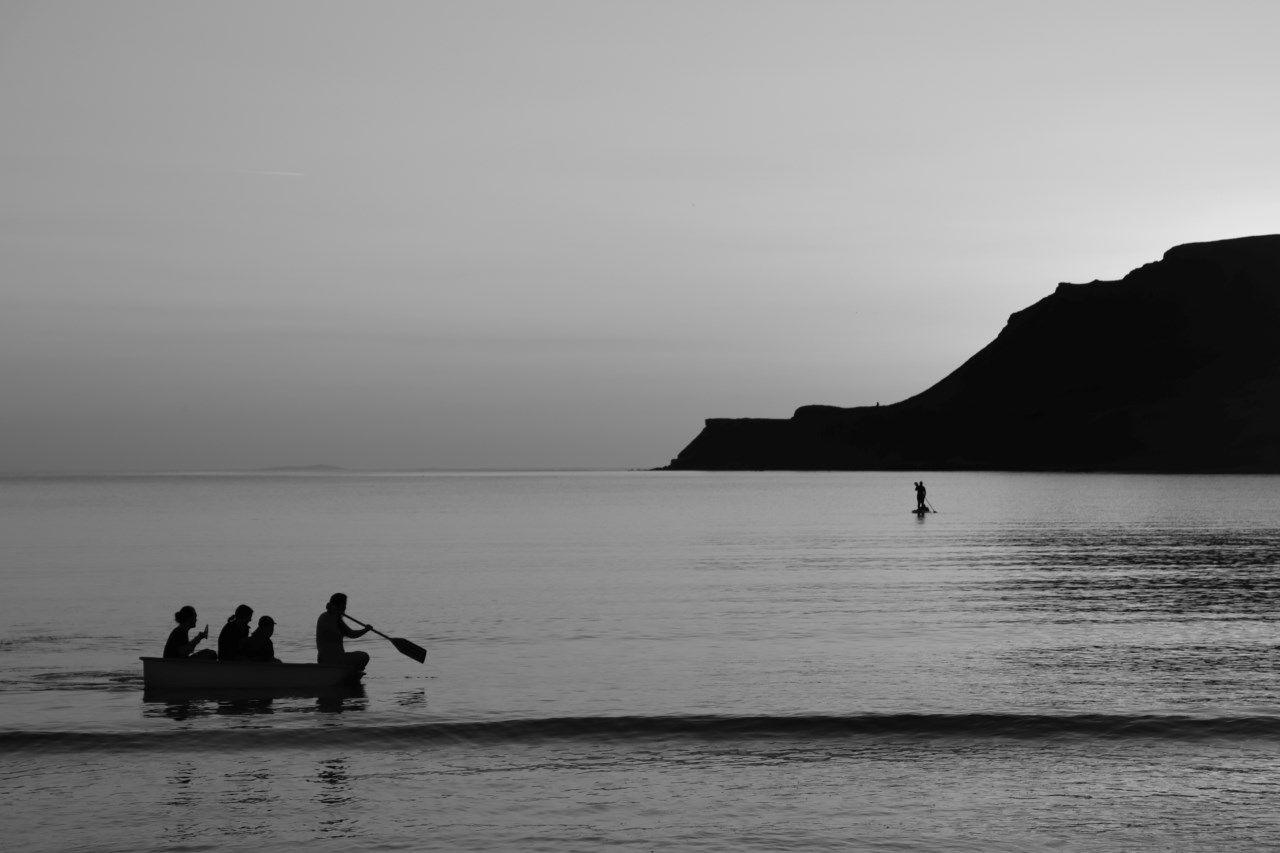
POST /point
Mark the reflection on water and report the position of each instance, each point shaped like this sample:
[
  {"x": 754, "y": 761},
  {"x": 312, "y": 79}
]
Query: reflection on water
[
  {"x": 178, "y": 710},
  {"x": 245, "y": 706},
  {"x": 1104, "y": 574},
  {"x": 337, "y": 703},
  {"x": 253, "y": 786},
  {"x": 248, "y": 799},
  {"x": 411, "y": 698},
  {"x": 335, "y": 798},
  {"x": 180, "y": 784},
  {"x": 184, "y": 813},
  {"x": 185, "y": 705},
  {"x": 1106, "y": 615}
]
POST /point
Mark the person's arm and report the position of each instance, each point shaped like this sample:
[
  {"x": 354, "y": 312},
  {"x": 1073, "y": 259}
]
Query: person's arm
[
  {"x": 195, "y": 641},
  {"x": 348, "y": 631}
]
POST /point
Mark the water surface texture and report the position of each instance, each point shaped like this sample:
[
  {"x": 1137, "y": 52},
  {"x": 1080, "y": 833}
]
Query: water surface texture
[{"x": 653, "y": 661}]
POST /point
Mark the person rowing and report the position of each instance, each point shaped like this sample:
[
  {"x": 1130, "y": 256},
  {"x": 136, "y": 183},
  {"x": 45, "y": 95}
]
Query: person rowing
[
  {"x": 331, "y": 629},
  {"x": 178, "y": 644}
]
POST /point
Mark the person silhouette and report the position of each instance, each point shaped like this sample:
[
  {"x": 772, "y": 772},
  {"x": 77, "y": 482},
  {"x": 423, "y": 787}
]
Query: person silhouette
[
  {"x": 920, "y": 493},
  {"x": 258, "y": 646},
  {"x": 235, "y": 632},
  {"x": 178, "y": 644},
  {"x": 330, "y": 630}
]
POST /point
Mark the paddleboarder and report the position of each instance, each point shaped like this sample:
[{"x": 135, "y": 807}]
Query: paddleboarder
[
  {"x": 330, "y": 629},
  {"x": 178, "y": 646},
  {"x": 920, "y": 493}
]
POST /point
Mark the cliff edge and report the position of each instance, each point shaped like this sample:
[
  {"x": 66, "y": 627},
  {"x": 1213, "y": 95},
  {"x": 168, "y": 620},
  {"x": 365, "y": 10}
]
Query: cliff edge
[{"x": 1171, "y": 368}]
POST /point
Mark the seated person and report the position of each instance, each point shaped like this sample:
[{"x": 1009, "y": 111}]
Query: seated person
[
  {"x": 235, "y": 632},
  {"x": 178, "y": 646},
  {"x": 258, "y": 646},
  {"x": 330, "y": 629}
]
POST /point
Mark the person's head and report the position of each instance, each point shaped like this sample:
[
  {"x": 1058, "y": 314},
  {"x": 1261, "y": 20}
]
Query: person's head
[
  {"x": 266, "y": 626},
  {"x": 186, "y": 615},
  {"x": 243, "y": 613},
  {"x": 337, "y": 603}
]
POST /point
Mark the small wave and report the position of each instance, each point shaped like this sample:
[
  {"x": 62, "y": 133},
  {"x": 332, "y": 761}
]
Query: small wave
[
  {"x": 638, "y": 728},
  {"x": 109, "y": 680},
  {"x": 8, "y": 644}
]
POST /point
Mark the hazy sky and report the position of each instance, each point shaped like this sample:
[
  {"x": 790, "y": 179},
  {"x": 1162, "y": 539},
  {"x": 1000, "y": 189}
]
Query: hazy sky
[{"x": 539, "y": 234}]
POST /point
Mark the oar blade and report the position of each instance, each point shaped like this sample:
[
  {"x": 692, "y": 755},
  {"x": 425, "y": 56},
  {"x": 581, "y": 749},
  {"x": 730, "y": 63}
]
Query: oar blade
[{"x": 411, "y": 650}]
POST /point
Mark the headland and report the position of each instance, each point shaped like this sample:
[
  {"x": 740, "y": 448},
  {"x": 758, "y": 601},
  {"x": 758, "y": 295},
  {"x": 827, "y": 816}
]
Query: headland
[{"x": 1172, "y": 368}]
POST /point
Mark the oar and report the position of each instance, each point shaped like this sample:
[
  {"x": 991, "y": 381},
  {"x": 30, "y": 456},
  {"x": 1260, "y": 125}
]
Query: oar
[
  {"x": 931, "y": 509},
  {"x": 406, "y": 648}
]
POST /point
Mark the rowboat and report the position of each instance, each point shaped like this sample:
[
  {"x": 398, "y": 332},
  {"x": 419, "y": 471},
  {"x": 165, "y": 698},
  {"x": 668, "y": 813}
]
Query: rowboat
[{"x": 161, "y": 674}]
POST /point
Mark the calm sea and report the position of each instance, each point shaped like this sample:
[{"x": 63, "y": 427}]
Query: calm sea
[{"x": 653, "y": 661}]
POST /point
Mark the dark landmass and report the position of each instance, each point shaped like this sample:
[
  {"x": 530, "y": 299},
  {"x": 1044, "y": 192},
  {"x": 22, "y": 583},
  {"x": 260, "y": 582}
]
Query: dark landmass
[{"x": 1173, "y": 368}]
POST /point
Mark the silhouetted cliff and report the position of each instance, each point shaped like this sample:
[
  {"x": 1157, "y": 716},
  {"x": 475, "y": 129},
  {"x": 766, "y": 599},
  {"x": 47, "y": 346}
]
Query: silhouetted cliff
[{"x": 1172, "y": 368}]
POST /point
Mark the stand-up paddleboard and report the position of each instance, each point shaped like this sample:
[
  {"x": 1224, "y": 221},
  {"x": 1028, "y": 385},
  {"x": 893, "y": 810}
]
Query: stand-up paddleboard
[{"x": 920, "y": 510}]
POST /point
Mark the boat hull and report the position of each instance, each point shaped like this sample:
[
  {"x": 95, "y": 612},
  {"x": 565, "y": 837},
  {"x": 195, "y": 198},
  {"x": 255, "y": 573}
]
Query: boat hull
[{"x": 162, "y": 674}]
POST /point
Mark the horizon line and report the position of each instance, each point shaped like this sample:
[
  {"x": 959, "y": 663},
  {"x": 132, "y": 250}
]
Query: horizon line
[{"x": 303, "y": 469}]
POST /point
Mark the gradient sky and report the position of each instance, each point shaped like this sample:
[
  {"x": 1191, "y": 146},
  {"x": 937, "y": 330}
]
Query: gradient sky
[{"x": 543, "y": 234}]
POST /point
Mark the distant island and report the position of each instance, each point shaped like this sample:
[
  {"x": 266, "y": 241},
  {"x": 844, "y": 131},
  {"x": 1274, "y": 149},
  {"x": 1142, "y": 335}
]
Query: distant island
[{"x": 1173, "y": 368}]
